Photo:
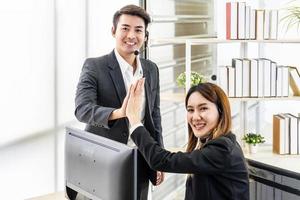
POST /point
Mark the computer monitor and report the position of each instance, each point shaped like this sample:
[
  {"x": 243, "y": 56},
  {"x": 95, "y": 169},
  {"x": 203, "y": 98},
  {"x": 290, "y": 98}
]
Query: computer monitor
[{"x": 99, "y": 168}]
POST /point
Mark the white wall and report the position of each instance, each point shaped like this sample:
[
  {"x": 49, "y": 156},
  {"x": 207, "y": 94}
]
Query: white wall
[{"x": 43, "y": 47}]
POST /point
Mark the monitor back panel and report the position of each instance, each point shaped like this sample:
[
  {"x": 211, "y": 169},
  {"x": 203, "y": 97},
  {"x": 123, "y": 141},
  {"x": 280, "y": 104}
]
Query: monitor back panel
[{"x": 99, "y": 168}]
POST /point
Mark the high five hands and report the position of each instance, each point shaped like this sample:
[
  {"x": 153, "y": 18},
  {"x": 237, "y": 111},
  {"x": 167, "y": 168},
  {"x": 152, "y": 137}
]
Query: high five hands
[
  {"x": 133, "y": 105},
  {"x": 134, "y": 102}
]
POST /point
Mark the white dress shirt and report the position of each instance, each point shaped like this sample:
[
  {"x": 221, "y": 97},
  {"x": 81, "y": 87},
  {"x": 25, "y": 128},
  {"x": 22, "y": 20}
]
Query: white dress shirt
[{"x": 130, "y": 78}]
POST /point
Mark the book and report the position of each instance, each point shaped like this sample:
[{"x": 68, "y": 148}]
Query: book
[
  {"x": 237, "y": 64},
  {"x": 273, "y": 79},
  {"x": 293, "y": 133},
  {"x": 260, "y": 77},
  {"x": 223, "y": 78},
  {"x": 231, "y": 20},
  {"x": 295, "y": 80},
  {"x": 246, "y": 78},
  {"x": 273, "y": 24},
  {"x": 279, "y": 134},
  {"x": 241, "y": 20},
  {"x": 231, "y": 81},
  {"x": 279, "y": 81},
  {"x": 287, "y": 142},
  {"x": 247, "y": 22},
  {"x": 285, "y": 81},
  {"x": 253, "y": 78},
  {"x": 259, "y": 25},
  {"x": 252, "y": 24},
  {"x": 267, "y": 77},
  {"x": 267, "y": 24}
]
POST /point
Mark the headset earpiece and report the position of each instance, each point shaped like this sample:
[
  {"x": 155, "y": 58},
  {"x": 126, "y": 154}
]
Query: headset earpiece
[{"x": 146, "y": 35}]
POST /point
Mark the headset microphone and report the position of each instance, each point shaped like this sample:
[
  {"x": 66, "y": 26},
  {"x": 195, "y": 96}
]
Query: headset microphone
[{"x": 137, "y": 52}]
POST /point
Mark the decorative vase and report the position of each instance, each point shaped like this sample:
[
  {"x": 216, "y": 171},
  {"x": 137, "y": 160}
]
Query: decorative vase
[{"x": 253, "y": 148}]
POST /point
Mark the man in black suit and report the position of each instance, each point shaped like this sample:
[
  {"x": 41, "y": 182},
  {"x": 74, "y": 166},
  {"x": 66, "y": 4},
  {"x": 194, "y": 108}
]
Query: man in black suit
[{"x": 105, "y": 80}]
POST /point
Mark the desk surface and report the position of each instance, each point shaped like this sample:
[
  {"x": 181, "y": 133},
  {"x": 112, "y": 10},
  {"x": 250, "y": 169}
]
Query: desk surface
[
  {"x": 266, "y": 156},
  {"x": 57, "y": 196},
  {"x": 52, "y": 196}
]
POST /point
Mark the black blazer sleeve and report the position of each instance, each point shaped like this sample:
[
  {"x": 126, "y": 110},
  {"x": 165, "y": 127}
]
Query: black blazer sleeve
[
  {"x": 213, "y": 158},
  {"x": 87, "y": 110}
]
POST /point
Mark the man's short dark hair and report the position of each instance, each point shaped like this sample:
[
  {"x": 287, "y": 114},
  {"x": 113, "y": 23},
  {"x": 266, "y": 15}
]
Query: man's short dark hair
[{"x": 132, "y": 10}]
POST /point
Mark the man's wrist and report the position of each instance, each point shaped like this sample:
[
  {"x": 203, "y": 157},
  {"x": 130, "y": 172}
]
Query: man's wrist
[{"x": 116, "y": 114}]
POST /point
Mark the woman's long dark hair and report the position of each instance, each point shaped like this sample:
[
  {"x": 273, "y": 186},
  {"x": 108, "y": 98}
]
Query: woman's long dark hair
[{"x": 216, "y": 95}]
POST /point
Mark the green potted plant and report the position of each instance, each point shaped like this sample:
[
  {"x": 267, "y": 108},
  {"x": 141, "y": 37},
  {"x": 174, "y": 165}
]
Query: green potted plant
[
  {"x": 196, "y": 78},
  {"x": 291, "y": 16},
  {"x": 253, "y": 140}
]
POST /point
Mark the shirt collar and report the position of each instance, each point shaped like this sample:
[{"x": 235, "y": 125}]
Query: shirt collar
[{"x": 125, "y": 66}]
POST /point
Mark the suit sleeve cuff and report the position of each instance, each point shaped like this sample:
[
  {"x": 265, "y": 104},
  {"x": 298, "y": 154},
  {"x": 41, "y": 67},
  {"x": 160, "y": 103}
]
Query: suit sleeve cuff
[{"x": 132, "y": 128}]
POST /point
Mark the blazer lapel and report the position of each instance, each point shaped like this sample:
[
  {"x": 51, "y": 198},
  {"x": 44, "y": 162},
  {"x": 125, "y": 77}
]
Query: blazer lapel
[
  {"x": 147, "y": 88},
  {"x": 116, "y": 76}
]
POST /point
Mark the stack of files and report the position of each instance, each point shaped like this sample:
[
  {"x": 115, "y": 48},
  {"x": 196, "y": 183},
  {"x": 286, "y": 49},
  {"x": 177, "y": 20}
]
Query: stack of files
[
  {"x": 255, "y": 78},
  {"x": 242, "y": 22},
  {"x": 286, "y": 138},
  {"x": 295, "y": 80}
]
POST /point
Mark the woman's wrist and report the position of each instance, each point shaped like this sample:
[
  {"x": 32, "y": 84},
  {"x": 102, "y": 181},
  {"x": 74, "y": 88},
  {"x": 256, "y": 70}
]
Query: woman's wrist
[{"x": 134, "y": 121}]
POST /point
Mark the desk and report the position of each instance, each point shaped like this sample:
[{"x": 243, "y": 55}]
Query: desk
[
  {"x": 57, "y": 196},
  {"x": 52, "y": 196},
  {"x": 265, "y": 155},
  {"x": 273, "y": 176}
]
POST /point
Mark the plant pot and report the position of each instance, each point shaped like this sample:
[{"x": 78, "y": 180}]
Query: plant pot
[{"x": 253, "y": 148}]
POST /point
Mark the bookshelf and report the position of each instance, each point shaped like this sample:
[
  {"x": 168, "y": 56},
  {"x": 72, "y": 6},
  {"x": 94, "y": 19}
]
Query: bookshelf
[
  {"x": 243, "y": 53},
  {"x": 179, "y": 97}
]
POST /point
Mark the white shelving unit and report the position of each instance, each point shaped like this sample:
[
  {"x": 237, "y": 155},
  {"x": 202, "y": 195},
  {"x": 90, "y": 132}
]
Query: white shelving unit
[{"x": 243, "y": 53}]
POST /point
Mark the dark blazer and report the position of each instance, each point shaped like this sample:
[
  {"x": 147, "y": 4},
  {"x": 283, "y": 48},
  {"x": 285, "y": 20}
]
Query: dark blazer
[
  {"x": 218, "y": 170},
  {"x": 101, "y": 90}
]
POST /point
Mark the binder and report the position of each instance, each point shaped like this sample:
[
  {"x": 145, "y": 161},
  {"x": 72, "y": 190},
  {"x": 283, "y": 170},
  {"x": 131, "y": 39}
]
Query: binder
[
  {"x": 252, "y": 24},
  {"x": 241, "y": 20},
  {"x": 260, "y": 79},
  {"x": 253, "y": 78},
  {"x": 279, "y": 81},
  {"x": 231, "y": 20},
  {"x": 285, "y": 81},
  {"x": 246, "y": 78},
  {"x": 237, "y": 64},
  {"x": 267, "y": 77},
  {"x": 223, "y": 78},
  {"x": 273, "y": 78},
  {"x": 279, "y": 134},
  {"x": 273, "y": 24},
  {"x": 267, "y": 24},
  {"x": 247, "y": 22},
  {"x": 259, "y": 24},
  {"x": 231, "y": 81},
  {"x": 293, "y": 133}
]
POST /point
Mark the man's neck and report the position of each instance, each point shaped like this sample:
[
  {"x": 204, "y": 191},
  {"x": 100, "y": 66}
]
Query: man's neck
[{"x": 131, "y": 60}]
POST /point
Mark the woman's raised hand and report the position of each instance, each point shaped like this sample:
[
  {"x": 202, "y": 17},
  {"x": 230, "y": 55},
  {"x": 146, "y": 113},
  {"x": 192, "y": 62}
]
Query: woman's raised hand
[{"x": 134, "y": 104}]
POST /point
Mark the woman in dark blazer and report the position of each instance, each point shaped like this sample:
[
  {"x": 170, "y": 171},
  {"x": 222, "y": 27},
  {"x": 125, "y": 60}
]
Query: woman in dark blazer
[{"x": 214, "y": 160}]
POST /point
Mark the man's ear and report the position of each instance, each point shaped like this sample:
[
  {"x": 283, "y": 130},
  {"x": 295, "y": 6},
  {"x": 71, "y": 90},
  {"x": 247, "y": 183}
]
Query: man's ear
[{"x": 113, "y": 31}]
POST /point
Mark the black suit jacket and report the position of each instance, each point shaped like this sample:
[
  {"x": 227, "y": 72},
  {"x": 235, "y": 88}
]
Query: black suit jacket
[
  {"x": 101, "y": 90},
  {"x": 218, "y": 169}
]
